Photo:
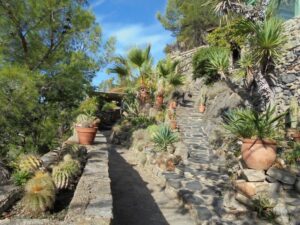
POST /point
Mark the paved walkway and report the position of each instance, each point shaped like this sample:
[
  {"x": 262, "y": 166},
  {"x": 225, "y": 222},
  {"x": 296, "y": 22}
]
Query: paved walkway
[{"x": 138, "y": 197}]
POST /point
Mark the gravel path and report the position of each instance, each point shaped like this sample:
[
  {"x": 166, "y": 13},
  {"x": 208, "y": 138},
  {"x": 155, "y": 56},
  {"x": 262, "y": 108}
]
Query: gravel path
[{"x": 138, "y": 197}]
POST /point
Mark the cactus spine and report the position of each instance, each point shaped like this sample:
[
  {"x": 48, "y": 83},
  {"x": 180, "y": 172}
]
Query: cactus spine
[
  {"x": 39, "y": 194},
  {"x": 294, "y": 112},
  {"x": 30, "y": 163}
]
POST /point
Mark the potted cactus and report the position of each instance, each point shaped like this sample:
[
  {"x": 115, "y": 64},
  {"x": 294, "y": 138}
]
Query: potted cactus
[
  {"x": 86, "y": 127},
  {"x": 202, "y": 100},
  {"x": 258, "y": 132},
  {"x": 160, "y": 98}
]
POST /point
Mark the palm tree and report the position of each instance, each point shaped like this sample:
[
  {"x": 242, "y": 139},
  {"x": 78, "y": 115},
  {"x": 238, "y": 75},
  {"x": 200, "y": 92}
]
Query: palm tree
[
  {"x": 142, "y": 60},
  {"x": 122, "y": 69},
  {"x": 266, "y": 40}
]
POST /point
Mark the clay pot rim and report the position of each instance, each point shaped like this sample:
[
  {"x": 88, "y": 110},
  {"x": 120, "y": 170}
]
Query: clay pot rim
[
  {"x": 296, "y": 135},
  {"x": 87, "y": 129},
  {"x": 259, "y": 141}
]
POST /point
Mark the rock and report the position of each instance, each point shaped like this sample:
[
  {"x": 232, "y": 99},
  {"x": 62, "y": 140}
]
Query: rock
[
  {"x": 246, "y": 188},
  {"x": 181, "y": 150},
  {"x": 231, "y": 203},
  {"x": 254, "y": 175},
  {"x": 297, "y": 185},
  {"x": 193, "y": 186},
  {"x": 261, "y": 186},
  {"x": 203, "y": 213},
  {"x": 9, "y": 194},
  {"x": 282, "y": 175},
  {"x": 4, "y": 174},
  {"x": 270, "y": 179},
  {"x": 281, "y": 210},
  {"x": 288, "y": 78},
  {"x": 244, "y": 200}
]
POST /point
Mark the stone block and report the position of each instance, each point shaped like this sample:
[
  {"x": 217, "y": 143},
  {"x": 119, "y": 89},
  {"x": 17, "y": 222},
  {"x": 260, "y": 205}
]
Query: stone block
[
  {"x": 246, "y": 188},
  {"x": 281, "y": 175},
  {"x": 254, "y": 175}
]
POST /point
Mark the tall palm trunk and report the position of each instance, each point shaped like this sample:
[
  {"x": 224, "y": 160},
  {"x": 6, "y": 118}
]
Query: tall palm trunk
[{"x": 264, "y": 90}]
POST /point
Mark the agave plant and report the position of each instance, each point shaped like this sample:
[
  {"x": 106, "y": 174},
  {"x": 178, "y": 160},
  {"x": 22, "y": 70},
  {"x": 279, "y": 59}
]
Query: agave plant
[
  {"x": 219, "y": 61},
  {"x": 248, "y": 123},
  {"x": 164, "y": 137}
]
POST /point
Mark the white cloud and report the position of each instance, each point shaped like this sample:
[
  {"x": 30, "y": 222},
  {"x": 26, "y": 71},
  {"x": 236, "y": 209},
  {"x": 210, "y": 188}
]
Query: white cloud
[
  {"x": 96, "y": 3},
  {"x": 138, "y": 35}
]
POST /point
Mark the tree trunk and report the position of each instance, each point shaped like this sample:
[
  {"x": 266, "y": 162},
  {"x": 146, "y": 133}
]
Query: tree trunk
[{"x": 264, "y": 90}]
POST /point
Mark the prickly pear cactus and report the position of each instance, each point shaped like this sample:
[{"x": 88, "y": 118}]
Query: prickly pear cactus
[
  {"x": 39, "y": 194},
  {"x": 30, "y": 163}
]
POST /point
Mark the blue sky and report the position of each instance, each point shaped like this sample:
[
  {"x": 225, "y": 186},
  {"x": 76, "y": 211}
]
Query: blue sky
[{"x": 133, "y": 23}]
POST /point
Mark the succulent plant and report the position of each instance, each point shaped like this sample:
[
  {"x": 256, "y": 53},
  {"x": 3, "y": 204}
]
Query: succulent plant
[
  {"x": 39, "y": 194},
  {"x": 65, "y": 172},
  {"x": 30, "y": 163},
  {"x": 294, "y": 112}
]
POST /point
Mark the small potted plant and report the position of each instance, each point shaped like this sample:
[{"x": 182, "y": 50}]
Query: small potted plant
[
  {"x": 86, "y": 128},
  {"x": 160, "y": 98},
  {"x": 202, "y": 100},
  {"x": 172, "y": 117},
  {"x": 173, "y": 104},
  {"x": 257, "y": 131}
]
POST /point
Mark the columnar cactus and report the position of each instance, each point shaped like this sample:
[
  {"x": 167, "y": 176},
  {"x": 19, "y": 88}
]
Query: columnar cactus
[
  {"x": 39, "y": 194},
  {"x": 294, "y": 112},
  {"x": 30, "y": 163}
]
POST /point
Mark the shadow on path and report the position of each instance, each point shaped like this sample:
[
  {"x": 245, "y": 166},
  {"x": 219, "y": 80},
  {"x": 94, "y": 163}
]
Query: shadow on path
[{"x": 132, "y": 200}]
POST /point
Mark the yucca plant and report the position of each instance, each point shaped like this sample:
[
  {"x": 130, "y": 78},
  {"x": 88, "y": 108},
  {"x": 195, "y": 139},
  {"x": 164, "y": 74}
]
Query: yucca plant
[
  {"x": 164, "y": 137},
  {"x": 219, "y": 61},
  {"x": 39, "y": 194}
]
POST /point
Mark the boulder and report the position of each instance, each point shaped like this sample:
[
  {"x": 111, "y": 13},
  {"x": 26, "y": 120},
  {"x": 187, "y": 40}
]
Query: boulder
[
  {"x": 246, "y": 188},
  {"x": 282, "y": 175},
  {"x": 4, "y": 174},
  {"x": 254, "y": 175},
  {"x": 297, "y": 185}
]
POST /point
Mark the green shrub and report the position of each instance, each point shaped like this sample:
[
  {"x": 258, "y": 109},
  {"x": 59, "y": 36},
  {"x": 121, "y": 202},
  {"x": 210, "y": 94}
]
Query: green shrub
[
  {"x": 264, "y": 208},
  {"x": 20, "y": 177},
  {"x": 109, "y": 106},
  {"x": 164, "y": 137},
  {"x": 201, "y": 66},
  {"x": 142, "y": 121},
  {"x": 89, "y": 106},
  {"x": 293, "y": 157}
]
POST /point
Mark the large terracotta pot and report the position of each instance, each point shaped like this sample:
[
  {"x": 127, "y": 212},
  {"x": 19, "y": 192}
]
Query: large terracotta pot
[
  {"x": 173, "y": 124},
  {"x": 259, "y": 154},
  {"x": 159, "y": 100},
  {"x": 86, "y": 136},
  {"x": 296, "y": 137},
  {"x": 202, "y": 108}
]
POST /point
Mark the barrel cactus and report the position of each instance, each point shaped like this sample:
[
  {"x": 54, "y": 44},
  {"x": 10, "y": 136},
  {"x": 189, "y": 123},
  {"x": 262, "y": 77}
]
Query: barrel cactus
[
  {"x": 65, "y": 172},
  {"x": 39, "y": 194},
  {"x": 30, "y": 163}
]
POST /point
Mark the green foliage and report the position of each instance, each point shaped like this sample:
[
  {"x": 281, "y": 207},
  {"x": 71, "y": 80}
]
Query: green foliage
[
  {"x": 225, "y": 36},
  {"x": 164, "y": 137},
  {"x": 85, "y": 120},
  {"x": 50, "y": 51},
  {"x": 293, "y": 157},
  {"x": 188, "y": 20},
  {"x": 266, "y": 39},
  {"x": 211, "y": 63},
  {"x": 264, "y": 208},
  {"x": 142, "y": 121},
  {"x": 152, "y": 129},
  {"x": 39, "y": 194},
  {"x": 20, "y": 177},
  {"x": 248, "y": 123},
  {"x": 89, "y": 106},
  {"x": 29, "y": 163},
  {"x": 109, "y": 106}
]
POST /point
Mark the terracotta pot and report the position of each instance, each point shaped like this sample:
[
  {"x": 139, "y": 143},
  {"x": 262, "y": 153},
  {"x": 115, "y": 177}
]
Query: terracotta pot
[
  {"x": 259, "y": 154},
  {"x": 159, "y": 100},
  {"x": 202, "y": 108},
  {"x": 173, "y": 105},
  {"x": 86, "y": 136},
  {"x": 173, "y": 124},
  {"x": 296, "y": 137}
]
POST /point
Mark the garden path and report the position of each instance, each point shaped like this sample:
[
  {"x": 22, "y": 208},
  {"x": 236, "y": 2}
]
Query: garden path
[{"x": 138, "y": 197}]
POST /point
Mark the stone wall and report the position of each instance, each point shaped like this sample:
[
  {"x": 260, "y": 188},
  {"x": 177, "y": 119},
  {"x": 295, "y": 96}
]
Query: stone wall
[{"x": 288, "y": 71}]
